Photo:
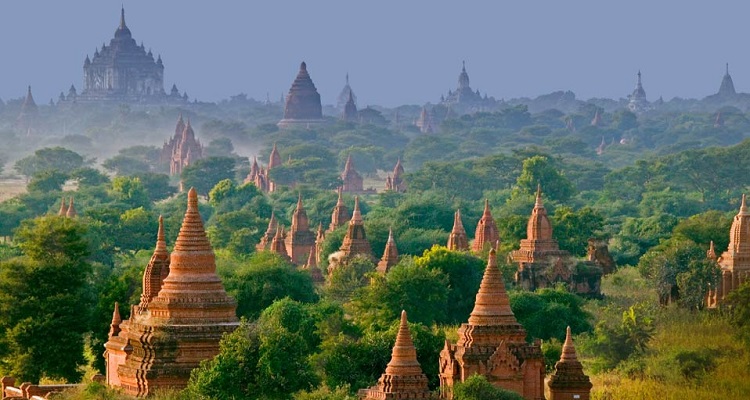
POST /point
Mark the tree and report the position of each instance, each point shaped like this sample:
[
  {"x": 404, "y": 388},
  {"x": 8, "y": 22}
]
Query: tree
[
  {"x": 221, "y": 147},
  {"x": 476, "y": 387},
  {"x": 47, "y": 181},
  {"x": 130, "y": 191},
  {"x": 49, "y": 158},
  {"x": 125, "y": 166},
  {"x": 43, "y": 306},
  {"x": 347, "y": 277},
  {"x": 572, "y": 229},
  {"x": 615, "y": 343},
  {"x": 157, "y": 186},
  {"x": 546, "y": 313},
  {"x": 265, "y": 278},
  {"x": 540, "y": 170},
  {"x": 738, "y": 302},
  {"x": 232, "y": 374},
  {"x": 421, "y": 291},
  {"x": 87, "y": 177},
  {"x": 678, "y": 265},
  {"x": 205, "y": 173}
]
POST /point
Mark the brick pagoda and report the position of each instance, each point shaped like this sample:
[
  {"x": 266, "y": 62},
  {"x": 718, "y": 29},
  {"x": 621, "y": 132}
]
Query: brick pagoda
[
  {"x": 493, "y": 344},
  {"x": 173, "y": 329}
]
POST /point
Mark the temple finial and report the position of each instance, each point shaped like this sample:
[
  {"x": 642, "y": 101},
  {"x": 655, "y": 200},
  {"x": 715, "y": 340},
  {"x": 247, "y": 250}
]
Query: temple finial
[
  {"x": 743, "y": 205},
  {"x": 727, "y": 68},
  {"x": 122, "y": 17},
  {"x": 463, "y": 66}
]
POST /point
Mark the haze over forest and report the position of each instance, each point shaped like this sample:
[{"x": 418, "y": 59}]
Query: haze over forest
[{"x": 396, "y": 52}]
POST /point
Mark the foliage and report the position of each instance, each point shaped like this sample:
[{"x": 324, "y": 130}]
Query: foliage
[
  {"x": 738, "y": 302},
  {"x": 205, "y": 173},
  {"x": 617, "y": 342},
  {"x": 476, "y": 387},
  {"x": 49, "y": 158},
  {"x": 43, "y": 301},
  {"x": 264, "y": 278},
  {"x": 348, "y": 277},
  {"x": 47, "y": 181},
  {"x": 546, "y": 313}
]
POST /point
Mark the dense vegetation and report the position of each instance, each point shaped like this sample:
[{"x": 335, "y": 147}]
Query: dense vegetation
[{"x": 658, "y": 193}]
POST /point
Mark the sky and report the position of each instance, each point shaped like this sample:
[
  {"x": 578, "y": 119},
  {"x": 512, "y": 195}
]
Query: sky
[{"x": 395, "y": 51}]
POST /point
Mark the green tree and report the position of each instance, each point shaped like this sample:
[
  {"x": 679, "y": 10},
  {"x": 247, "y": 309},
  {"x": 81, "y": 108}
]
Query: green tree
[
  {"x": 87, "y": 177},
  {"x": 476, "y": 387},
  {"x": 421, "y": 291},
  {"x": 125, "y": 166},
  {"x": 738, "y": 303},
  {"x": 47, "y": 181},
  {"x": 157, "y": 186},
  {"x": 572, "y": 229},
  {"x": 130, "y": 191},
  {"x": 44, "y": 302},
  {"x": 205, "y": 173},
  {"x": 265, "y": 278},
  {"x": 546, "y": 313},
  {"x": 540, "y": 170},
  {"x": 348, "y": 277},
  {"x": 49, "y": 158}
]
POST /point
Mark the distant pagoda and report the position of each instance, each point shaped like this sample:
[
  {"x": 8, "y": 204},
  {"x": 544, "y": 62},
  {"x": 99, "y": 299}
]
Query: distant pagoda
[
  {"x": 637, "y": 102},
  {"x": 303, "y": 107},
  {"x": 124, "y": 72},
  {"x": 457, "y": 239}
]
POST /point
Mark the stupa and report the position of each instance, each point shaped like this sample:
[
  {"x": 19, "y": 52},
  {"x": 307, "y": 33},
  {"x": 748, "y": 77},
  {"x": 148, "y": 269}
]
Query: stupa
[{"x": 302, "y": 106}]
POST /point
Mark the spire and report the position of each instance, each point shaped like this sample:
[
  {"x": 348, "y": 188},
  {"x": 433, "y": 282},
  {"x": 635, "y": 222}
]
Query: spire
[
  {"x": 486, "y": 233},
  {"x": 639, "y": 78},
  {"x": 711, "y": 253},
  {"x": 275, "y": 159},
  {"x": 457, "y": 239},
  {"x": 114, "y": 327},
  {"x": 192, "y": 236},
  {"x": 492, "y": 306},
  {"x": 299, "y": 218},
  {"x": 156, "y": 270},
  {"x": 727, "y": 69},
  {"x": 390, "y": 254},
  {"x": 71, "y": 213},
  {"x": 404, "y": 355},
  {"x": 743, "y": 206},
  {"x": 122, "y": 18},
  {"x": 568, "y": 350},
  {"x": 538, "y": 202},
  {"x": 357, "y": 215},
  {"x": 63, "y": 208},
  {"x": 347, "y": 78}
]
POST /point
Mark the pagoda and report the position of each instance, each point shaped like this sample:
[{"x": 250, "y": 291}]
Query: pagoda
[
  {"x": 300, "y": 241},
  {"x": 395, "y": 181},
  {"x": 637, "y": 102},
  {"x": 486, "y": 234},
  {"x": 265, "y": 240},
  {"x": 340, "y": 214},
  {"x": 123, "y": 72},
  {"x": 29, "y": 112},
  {"x": 390, "y": 255},
  {"x": 350, "y": 110},
  {"x": 63, "y": 208},
  {"x": 184, "y": 148},
  {"x": 352, "y": 180},
  {"x": 355, "y": 242},
  {"x": 463, "y": 97},
  {"x": 312, "y": 267},
  {"x": 302, "y": 106},
  {"x": 403, "y": 377},
  {"x": 726, "y": 89},
  {"x": 424, "y": 123},
  {"x": 278, "y": 244},
  {"x": 568, "y": 382},
  {"x": 542, "y": 264},
  {"x": 493, "y": 344},
  {"x": 179, "y": 320},
  {"x": 735, "y": 262},
  {"x": 71, "y": 212},
  {"x": 457, "y": 239},
  {"x": 345, "y": 95},
  {"x": 320, "y": 236}
]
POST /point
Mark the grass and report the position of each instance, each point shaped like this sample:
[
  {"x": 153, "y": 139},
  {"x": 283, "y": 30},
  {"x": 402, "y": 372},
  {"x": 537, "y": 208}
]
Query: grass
[
  {"x": 692, "y": 355},
  {"x": 10, "y": 188}
]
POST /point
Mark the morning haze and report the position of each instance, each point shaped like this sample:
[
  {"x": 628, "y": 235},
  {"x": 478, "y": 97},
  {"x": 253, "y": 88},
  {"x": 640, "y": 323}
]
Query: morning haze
[
  {"x": 396, "y": 52},
  {"x": 350, "y": 200}
]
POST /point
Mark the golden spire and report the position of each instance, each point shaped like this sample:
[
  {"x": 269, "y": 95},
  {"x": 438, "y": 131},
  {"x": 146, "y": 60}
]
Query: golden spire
[
  {"x": 404, "y": 356},
  {"x": 492, "y": 306}
]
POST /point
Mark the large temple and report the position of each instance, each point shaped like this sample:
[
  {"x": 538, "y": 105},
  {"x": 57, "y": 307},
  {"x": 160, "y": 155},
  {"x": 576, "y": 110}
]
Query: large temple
[
  {"x": 464, "y": 98},
  {"x": 124, "y": 72},
  {"x": 182, "y": 314},
  {"x": 637, "y": 102},
  {"x": 300, "y": 240},
  {"x": 542, "y": 264},
  {"x": 735, "y": 262},
  {"x": 493, "y": 344},
  {"x": 355, "y": 241},
  {"x": 303, "y": 107}
]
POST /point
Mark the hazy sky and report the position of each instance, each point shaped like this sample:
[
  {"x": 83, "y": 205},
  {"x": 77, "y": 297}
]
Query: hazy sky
[{"x": 396, "y": 52}]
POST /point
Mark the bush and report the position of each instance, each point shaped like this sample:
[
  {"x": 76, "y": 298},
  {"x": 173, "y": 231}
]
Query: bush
[{"x": 477, "y": 387}]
